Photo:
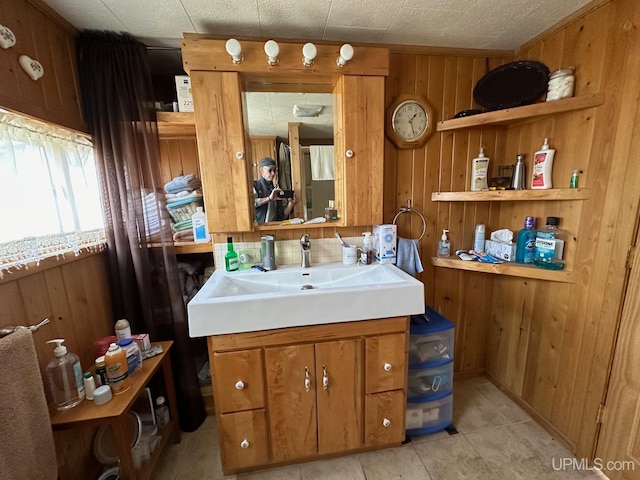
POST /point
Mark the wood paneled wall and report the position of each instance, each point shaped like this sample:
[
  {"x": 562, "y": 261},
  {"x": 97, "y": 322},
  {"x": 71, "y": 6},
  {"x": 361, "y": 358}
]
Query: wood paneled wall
[
  {"x": 74, "y": 295},
  {"x": 44, "y": 36},
  {"x": 547, "y": 344}
]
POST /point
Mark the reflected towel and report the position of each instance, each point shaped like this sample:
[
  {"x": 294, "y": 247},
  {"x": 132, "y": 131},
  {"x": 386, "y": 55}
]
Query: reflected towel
[
  {"x": 408, "y": 257},
  {"x": 321, "y": 162},
  {"x": 28, "y": 449}
]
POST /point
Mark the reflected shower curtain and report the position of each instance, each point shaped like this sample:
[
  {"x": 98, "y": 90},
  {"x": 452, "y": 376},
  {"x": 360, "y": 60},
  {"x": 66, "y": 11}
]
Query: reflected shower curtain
[{"x": 117, "y": 99}]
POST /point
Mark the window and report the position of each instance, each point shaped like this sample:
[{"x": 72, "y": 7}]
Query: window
[{"x": 49, "y": 193}]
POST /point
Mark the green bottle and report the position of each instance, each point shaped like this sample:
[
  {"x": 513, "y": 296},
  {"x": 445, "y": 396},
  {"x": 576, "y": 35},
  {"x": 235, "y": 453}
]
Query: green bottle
[{"x": 231, "y": 258}]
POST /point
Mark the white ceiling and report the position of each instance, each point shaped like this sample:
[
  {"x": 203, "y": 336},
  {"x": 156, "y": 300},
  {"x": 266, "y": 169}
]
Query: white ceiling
[{"x": 479, "y": 24}]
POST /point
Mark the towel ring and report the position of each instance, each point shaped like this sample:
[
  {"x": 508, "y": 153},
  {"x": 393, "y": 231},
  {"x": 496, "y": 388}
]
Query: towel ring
[{"x": 410, "y": 210}]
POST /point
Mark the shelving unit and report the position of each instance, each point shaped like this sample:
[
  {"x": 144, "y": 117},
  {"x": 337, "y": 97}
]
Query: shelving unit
[
  {"x": 507, "y": 268},
  {"x": 176, "y": 123},
  {"x": 513, "y": 195},
  {"x": 521, "y": 114}
]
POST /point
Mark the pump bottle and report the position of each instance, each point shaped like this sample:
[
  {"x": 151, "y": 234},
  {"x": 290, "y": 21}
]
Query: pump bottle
[
  {"x": 479, "y": 172},
  {"x": 444, "y": 246},
  {"x": 542, "y": 164},
  {"x": 65, "y": 377},
  {"x": 366, "y": 254}
]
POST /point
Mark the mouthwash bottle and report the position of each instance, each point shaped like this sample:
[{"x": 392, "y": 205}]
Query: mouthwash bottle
[
  {"x": 231, "y": 258},
  {"x": 526, "y": 242},
  {"x": 549, "y": 246}
]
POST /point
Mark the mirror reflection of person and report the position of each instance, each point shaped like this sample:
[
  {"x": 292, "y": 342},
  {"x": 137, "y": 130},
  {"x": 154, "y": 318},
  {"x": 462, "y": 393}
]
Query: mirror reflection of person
[{"x": 270, "y": 207}]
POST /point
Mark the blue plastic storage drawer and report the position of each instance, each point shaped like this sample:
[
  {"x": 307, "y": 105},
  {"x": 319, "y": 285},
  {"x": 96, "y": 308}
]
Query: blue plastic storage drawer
[
  {"x": 426, "y": 382},
  {"x": 429, "y": 417},
  {"x": 431, "y": 339}
]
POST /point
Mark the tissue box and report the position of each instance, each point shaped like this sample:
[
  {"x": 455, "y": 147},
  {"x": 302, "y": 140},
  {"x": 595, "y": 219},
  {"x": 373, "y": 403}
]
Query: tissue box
[
  {"x": 142, "y": 339},
  {"x": 501, "y": 250},
  {"x": 183, "y": 91},
  {"x": 384, "y": 243}
]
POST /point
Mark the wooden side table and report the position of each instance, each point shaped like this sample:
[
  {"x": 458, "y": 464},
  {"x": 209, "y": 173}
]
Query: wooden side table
[{"x": 115, "y": 411}]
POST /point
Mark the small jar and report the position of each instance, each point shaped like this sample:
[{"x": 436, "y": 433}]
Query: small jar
[
  {"x": 89, "y": 385},
  {"x": 101, "y": 371},
  {"x": 561, "y": 84}
]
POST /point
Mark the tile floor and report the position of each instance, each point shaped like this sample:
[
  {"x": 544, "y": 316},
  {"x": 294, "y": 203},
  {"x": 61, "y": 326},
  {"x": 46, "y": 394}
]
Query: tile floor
[{"x": 497, "y": 440}]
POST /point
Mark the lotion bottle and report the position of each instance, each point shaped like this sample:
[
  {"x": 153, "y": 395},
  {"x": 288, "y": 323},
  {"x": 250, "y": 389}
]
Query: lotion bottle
[
  {"x": 479, "y": 172},
  {"x": 478, "y": 238},
  {"x": 542, "y": 164},
  {"x": 444, "y": 246}
]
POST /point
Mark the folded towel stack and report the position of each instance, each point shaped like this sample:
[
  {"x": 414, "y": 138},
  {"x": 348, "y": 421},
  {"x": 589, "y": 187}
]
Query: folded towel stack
[
  {"x": 183, "y": 195},
  {"x": 153, "y": 223},
  {"x": 184, "y": 183}
]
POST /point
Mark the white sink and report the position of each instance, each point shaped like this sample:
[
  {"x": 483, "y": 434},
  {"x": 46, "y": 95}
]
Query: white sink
[{"x": 250, "y": 300}]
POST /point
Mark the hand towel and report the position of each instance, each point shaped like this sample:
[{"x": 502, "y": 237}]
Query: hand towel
[
  {"x": 408, "y": 257},
  {"x": 321, "y": 162},
  {"x": 28, "y": 448}
]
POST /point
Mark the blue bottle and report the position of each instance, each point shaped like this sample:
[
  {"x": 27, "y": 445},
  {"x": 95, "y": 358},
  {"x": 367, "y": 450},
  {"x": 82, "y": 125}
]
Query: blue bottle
[{"x": 526, "y": 242}]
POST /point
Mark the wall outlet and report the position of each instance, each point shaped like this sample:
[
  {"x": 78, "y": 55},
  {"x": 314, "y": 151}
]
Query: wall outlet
[{"x": 249, "y": 256}]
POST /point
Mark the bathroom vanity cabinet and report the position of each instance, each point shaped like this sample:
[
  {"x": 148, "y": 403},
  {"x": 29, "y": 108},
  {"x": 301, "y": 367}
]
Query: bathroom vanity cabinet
[{"x": 301, "y": 393}]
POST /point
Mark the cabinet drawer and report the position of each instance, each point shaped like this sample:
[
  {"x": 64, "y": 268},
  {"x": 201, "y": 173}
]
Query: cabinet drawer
[
  {"x": 243, "y": 440},
  {"x": 384, "y": 418},
  {"x": 386, "y": 357},
  {"x": 239, "y": 380}
]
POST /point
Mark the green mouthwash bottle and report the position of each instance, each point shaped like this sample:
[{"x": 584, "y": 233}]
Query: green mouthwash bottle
[{"x": 231, "y": 258}]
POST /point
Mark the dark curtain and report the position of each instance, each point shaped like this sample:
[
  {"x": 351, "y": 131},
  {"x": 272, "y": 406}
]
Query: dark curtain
[{"x": 117, "y": 98}]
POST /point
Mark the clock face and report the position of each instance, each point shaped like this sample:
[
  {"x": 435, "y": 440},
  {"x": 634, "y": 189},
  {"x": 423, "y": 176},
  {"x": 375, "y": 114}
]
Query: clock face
[{"x": 410, "y": 120}]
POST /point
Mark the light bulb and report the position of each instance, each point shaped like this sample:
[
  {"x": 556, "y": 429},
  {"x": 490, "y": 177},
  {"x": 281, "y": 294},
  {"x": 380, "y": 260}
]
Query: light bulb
[
  {"x": 235, "y": 50},
  {"x": 309, "y": 52},
  {"x": 272, "y": 50},
  {"x": 346, "y": 54}
]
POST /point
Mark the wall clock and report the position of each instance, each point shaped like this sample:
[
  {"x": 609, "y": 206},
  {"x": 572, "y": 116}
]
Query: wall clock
[{"x": 410, "y": 121}]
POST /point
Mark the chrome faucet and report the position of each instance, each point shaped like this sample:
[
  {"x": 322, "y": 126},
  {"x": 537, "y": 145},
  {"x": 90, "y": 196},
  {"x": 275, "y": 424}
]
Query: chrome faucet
[{"x": 305, "y": 242}]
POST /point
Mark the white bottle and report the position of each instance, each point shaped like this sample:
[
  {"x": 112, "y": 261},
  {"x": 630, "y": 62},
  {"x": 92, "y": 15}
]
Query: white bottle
[
  {"x": 366, "y": 253},
  {"x": 444, "y": 246},
  {"x": 479, "y": 172},
  {"x": 542, "y": 164},
  {"x": 478, "y": 239},
  {"x": 199, "y": 225},
  {"x": 162, "y": 412},
  {"x": 65, "y": 377},
  {"x": 122, "y": 329}
]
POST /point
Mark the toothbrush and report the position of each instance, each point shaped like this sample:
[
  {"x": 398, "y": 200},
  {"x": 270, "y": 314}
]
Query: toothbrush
[{"x": 341, "y": 241}]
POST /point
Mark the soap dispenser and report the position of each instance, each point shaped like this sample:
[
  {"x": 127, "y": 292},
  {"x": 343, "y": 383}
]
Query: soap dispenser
[
  {"x": 444, "y": 246},
  {"x": 542, "y": 164},
  {"x": 65, "y": 377},
  {"x": 479, "y": 172}
]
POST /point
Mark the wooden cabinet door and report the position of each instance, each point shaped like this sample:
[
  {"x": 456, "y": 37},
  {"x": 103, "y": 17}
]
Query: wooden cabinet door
[
  {"x": 238, "y": 380},
  {"x": 292, "y": 402},
  {"x": 359, "y": 128},
  {"x": 386, "y": 360},
  {"x": 221, "y": 151},
  {"x": 244, "y": 442},
  {"x": 340, "y": 403},
  {"x": 384, "y": 418}
]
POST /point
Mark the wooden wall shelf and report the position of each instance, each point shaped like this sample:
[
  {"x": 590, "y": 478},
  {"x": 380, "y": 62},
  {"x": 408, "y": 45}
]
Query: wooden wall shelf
[
  {"x": 513, "y": 195},
  {"x": 518, "y": 114},
  {"x": 176, "y": 124},
  {"x": 507, "y": 268}
]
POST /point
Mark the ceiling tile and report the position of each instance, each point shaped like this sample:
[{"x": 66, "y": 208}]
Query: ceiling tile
[
  {"x": 421, "y": 27},
  {"x": 352, "y": 34},
  {"x": 293, "y": 19},
  {"x": 362, "y": 13},
  {"x": 167, "y": 18},
  {"x": 87, "y": 14},
  {"x": 223, "y": 17}
]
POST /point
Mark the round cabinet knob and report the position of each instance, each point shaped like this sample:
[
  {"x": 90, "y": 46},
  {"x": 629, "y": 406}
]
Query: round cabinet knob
[
  {"x": 239, "y": 385},
  {"x": 244, "y": 443},
  {"x": 386, "y": 422},
  {"x": 239, "y": 155},
  {"x": 387, "y": 367},
  {"x": 349, "y": 153}
]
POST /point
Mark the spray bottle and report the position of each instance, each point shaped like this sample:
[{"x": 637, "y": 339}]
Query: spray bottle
[{"x": 65, "y": 377}]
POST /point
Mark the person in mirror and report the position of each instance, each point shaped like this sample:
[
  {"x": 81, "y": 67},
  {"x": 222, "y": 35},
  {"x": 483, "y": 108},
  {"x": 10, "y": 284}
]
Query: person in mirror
[{"x": 269, "y": 206}]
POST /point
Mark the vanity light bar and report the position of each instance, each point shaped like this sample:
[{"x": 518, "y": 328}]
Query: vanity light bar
[
  {"x": 309, "y": 52},
  {"x": 346, "y": 54},
  {"x": 272, "y": 49},
  {"x": 235, "y": 50}
]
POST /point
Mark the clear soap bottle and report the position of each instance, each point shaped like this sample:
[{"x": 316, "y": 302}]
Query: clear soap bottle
[
  {"x": 65, "y": 377},
  {"x": 366, "y": 253},
  {"x": 444, "y": 246}
]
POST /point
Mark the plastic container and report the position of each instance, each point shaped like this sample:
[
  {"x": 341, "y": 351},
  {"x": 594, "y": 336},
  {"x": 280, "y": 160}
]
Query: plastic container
[
  {"x": 162, "y": 412},
  {"x": 331, "y": 212},
  {"x": 366, "y": 253},
  {"x": 426, "y": 382},
  {"x": 117, "y": 369},
  {"x": 64, "y": 374},
  {"x": 199, "y": 225},
  {"x": 431, "y": 339},
  {"x": 526, "y": 242},
  {"x": 561, "y": 84},
  {"x": 101, "y": 371},
  {"x": 550, "y": 246},
  {"x": 431, "y": 416},
  {"x": 134, "y": 356},
  {"x": 444, "y": 246},
  {"x": 542, "y": 165},
  {"x": 231, "y": 262},
  {"x": 479, "y": 172},
  {"x": 123, "y": 329},
  {"x": 478, "y": 239},
  {"x": 89, "y": 385}
]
